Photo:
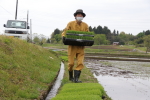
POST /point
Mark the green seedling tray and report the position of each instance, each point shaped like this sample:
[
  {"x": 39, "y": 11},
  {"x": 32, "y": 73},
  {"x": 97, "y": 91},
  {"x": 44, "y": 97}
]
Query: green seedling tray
[
  {"x": 78, "y": 42},
  {"x": 80, "y": 34},
  {"x": 79, "y": 38}
]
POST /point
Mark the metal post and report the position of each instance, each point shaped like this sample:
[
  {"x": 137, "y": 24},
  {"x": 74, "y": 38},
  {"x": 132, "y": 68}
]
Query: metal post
[
  {"x": 16, "y": 9},
  {"x": 27, "y": 18},
  {"x": 31, "y": 29}
]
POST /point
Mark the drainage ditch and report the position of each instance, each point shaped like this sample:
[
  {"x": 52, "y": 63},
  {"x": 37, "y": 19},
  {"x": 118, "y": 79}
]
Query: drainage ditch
[{"x": 57, "y": 83}]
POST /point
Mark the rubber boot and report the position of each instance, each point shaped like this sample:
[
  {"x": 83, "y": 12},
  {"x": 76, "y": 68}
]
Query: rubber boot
[
  {"x": 76, "y": 76},
  {"x": 71, "y": 76}
]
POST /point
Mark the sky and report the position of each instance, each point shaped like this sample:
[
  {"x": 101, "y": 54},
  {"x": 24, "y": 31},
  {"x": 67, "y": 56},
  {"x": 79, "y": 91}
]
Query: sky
[{"x": 130, "y": 16}]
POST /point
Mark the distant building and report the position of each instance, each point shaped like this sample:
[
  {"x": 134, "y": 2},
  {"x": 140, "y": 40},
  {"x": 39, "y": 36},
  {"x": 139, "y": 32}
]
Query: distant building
[{"x": 115, "y": 43}]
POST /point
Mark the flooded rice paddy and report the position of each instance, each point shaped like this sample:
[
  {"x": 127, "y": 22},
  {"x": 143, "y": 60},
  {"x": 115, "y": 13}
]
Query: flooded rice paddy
[{"x": 122, "y": 80}]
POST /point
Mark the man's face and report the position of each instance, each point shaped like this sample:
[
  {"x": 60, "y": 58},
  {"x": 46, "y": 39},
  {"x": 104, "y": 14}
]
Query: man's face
[{"x": 79, "y": 15}]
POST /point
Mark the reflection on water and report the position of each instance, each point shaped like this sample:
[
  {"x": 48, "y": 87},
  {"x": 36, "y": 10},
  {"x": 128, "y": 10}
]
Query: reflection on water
[{"x": 123, "y": 80}]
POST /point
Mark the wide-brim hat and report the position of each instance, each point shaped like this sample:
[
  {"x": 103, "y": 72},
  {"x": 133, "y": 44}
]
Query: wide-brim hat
[{"x": 80, "y": 11}]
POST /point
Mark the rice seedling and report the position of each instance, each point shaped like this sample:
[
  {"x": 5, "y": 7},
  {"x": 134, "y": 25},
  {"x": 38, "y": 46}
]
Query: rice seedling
[
  {"x": 79, "y": 32},
  {"x": 83, "y": 91},
  {"x": 79, "y": 35}
]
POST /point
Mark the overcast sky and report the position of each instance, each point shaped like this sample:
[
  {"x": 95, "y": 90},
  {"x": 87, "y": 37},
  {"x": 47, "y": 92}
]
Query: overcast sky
[{"x": 130, "y": 16}]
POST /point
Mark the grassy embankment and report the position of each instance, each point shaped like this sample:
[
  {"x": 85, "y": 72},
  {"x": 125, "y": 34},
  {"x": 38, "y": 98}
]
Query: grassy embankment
[
  {"x": 26, "y": 70},
  {"x": 90, "y": 89}
]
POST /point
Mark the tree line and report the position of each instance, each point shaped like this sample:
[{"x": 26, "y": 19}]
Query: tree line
[{"x": 104, "y": 36}]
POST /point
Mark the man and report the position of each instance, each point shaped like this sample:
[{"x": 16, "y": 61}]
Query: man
[{"x": 76, "y": 51}]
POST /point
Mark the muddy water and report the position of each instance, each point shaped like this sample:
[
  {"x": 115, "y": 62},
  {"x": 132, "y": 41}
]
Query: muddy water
[
  {"x": 57, "y": 83},
  {"x": 122, "y": 80}
]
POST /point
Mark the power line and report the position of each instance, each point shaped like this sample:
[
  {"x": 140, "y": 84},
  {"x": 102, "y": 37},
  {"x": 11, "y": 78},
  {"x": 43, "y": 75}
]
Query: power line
[{"x": 6, "y": 10}]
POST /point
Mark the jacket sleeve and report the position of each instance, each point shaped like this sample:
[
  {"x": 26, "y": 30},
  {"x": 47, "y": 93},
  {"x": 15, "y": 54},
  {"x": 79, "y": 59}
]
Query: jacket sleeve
[{"x": 64, "y": 31}]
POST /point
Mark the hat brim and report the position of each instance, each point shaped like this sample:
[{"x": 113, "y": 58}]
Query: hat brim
[{"x": 79, "y": 13}]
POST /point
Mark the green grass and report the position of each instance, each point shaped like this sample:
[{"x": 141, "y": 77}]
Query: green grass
[
  {"x": 26, "y": 70},
  {"x": 142, "y": 48},
  {"x": 59, "y": 46},
  {"x": 138, "y": 48},
  {"x": 64, "y": 58},
  {"x": 51, "y": 45}
]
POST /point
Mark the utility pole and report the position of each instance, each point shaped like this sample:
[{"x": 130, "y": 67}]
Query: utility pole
[
  {"x": 31, "y": 29},
  {"x": 16, "y": 9},
  {"x": 27, "y": 18}
]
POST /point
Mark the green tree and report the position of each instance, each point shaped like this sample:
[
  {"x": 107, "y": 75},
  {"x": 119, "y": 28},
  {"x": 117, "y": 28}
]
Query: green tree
[
  {"x": 48, "y": 40},
  {"x": 52, "y": 35},
  {"x": 123, "y": 38},
  {"x": 117, "y": 33},
  {"x": 95, "y": 30},
  {"x": 139, "y": 40},
  {"x": 90, "y": 29},
  {"x": 58, "y": 37},
  {"x": 147, "y": 42},
  {"x": 43, "y": 40},
  {"x": 107, "y": 32},
  {"x": 56, "y": 31},
  {"x": 36, "y": 39},
  {"x": 141, "y": 34},
  {"x": 99, "y": 30},
  {"x": 100, "y": 39},
  {"x": 147, "y": 32},
  {"x": 52, "y": 40},
  {"x": 114, "y": 33}
]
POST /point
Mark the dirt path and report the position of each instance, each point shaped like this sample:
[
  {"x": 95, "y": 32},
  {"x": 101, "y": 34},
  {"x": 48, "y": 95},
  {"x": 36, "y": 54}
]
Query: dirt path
[{"x": 122, "y": 80}]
